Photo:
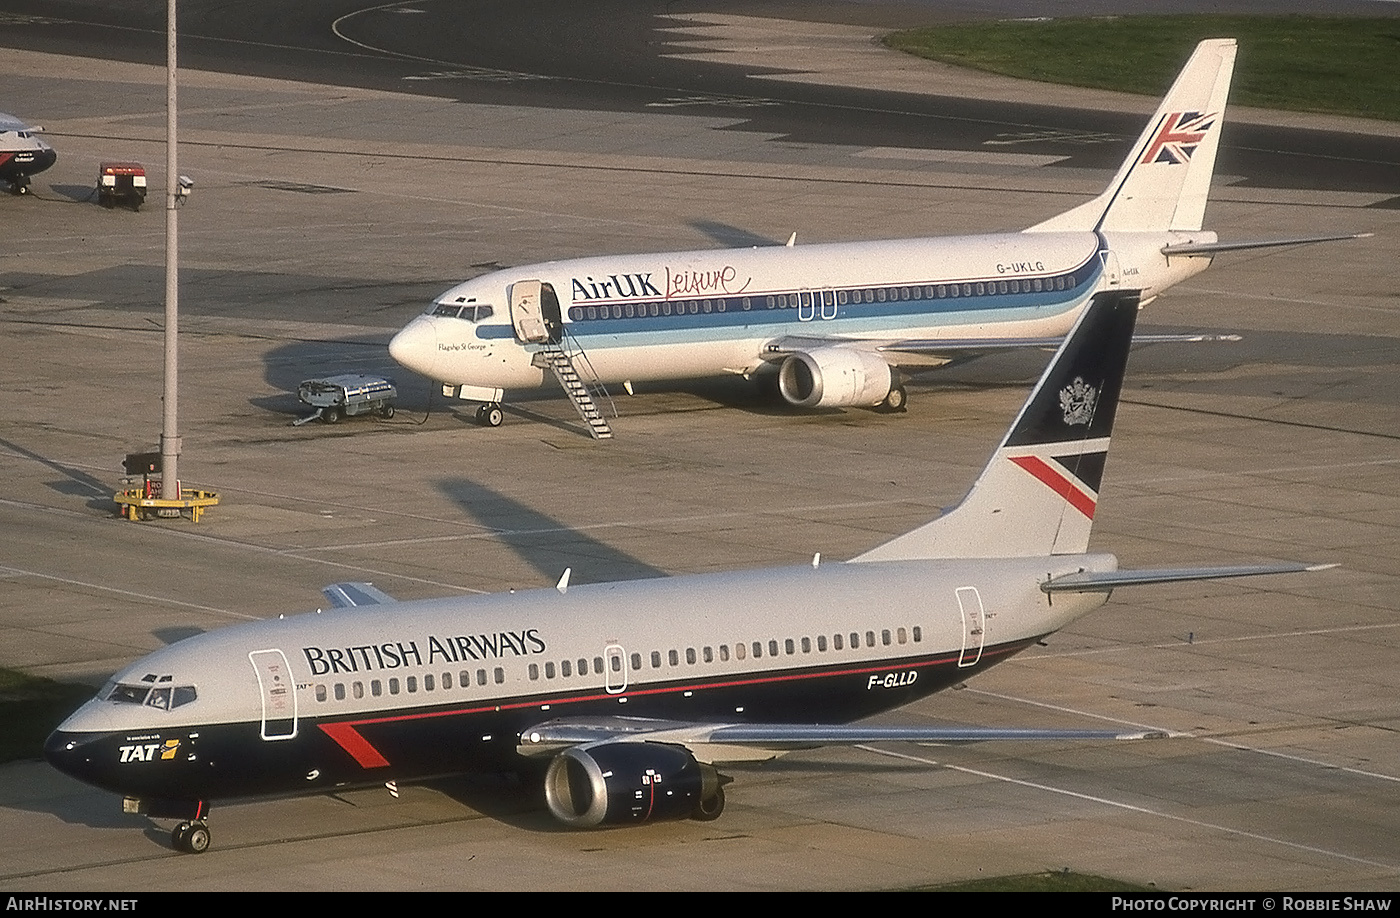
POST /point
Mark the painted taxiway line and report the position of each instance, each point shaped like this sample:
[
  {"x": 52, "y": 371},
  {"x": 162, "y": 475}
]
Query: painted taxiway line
[
  {"x": 1135, "y": 808},
  {"x": 1298, "y": 759}
]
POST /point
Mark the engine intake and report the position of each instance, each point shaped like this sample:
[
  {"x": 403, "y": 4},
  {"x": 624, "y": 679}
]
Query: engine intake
[
  {"x": 622, "y": 783},
  {"x": 835, "y": 377}
]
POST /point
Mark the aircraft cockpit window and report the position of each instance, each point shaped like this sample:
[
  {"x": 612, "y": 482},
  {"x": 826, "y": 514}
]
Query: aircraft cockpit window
[
  {"x": 129, "y": 694},
  {"x": 472, "y": 312},
  {"x": 164, "y": 697}
]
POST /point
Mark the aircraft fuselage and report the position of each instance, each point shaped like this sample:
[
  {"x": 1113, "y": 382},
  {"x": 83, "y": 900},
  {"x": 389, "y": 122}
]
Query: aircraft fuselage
[
  {"x": 706, "y": 313},
  {"x": 369, "y": 695}
]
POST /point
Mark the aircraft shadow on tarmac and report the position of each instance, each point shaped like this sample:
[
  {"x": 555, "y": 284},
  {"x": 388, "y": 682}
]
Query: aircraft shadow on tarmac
[{"x": 542, "y": 541}]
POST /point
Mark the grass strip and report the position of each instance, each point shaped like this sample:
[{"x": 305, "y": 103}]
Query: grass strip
[
  {"x": 1330, "y": 64},
  {"x": 30, "y": 708}
]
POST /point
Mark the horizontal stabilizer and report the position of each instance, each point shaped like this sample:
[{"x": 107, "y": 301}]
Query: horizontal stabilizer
[
  {"x": 347, "y": 595},
  {"x": 1104, "y": 581},
  {"x": 1212, "y": 248}
]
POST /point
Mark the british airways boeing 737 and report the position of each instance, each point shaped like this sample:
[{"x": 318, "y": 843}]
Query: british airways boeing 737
[
  {"x": 638, "y": 693},
  {"x": 839, "y": 324}
]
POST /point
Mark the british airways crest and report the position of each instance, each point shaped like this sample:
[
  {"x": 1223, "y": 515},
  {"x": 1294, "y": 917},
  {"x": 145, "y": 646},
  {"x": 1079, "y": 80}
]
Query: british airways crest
[
  {"x": 1178, "y": 137},
  {"x": 1077, "y": 401}
]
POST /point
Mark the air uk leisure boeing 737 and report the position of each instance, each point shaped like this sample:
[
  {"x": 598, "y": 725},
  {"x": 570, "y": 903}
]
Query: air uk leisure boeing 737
[
  {"x": 839, "y": 324},
  {"x": 639, "y": 691}
]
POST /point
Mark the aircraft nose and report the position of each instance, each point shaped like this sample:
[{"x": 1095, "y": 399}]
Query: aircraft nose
[
  {"x": 76, "y": 755},
  {"x": 415, "y": 346},
  {"x": 76, "y": 748},
  {"x": 61, "y": 750}
]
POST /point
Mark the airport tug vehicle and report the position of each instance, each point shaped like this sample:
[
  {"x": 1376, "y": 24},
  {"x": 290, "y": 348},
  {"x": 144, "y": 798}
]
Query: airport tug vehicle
[
  {"x": 121, "y": 183},
  {"x": 337, "y": 397}
]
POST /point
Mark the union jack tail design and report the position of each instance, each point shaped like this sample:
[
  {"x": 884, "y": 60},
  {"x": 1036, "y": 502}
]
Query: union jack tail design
[
  {"x": 1178, "y": 138},
  {"x": 1163, "y": 184},
  {"x": 1037, "y": 495}
]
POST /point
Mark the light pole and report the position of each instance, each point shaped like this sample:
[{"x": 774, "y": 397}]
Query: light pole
[{"x": 170, "y": 430}]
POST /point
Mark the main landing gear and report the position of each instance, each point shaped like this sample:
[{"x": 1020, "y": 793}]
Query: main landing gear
[
  {"x": 490, "y": 415},
  {"x": 897, "y": 400},
  {"x": 191, "y": 837},
  {"x": 709, "y": 809}
]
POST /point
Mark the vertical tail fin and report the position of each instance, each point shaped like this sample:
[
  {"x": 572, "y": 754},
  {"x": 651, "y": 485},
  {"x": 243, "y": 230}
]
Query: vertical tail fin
[
  {"x": 1038, "y": 493},
  {"x": 1164, "y": 182}
]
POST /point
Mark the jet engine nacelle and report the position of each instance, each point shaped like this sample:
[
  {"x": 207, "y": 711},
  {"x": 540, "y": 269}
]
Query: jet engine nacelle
[
  {"x": 621, "y": 783},
  {"x": 835, "y": 377}
]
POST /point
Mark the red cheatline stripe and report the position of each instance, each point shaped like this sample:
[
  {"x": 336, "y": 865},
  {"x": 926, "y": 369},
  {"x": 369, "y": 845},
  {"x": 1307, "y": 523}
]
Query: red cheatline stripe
[
  {"x": 348, "y": 737},
  {"x": 676, "y": 688},
  {"x": 352, "y": 742},
  {"x": 1057, "y": 483}
]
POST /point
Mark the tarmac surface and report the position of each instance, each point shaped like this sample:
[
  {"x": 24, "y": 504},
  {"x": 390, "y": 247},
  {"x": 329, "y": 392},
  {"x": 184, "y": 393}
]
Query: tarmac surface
[{"x": 325, "y": 216}]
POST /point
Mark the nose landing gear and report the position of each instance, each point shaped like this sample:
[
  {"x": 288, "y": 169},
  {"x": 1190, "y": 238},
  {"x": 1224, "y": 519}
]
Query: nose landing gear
[
  {"x": 191, "y": 837},
  {"x": 490, "y": 415}
]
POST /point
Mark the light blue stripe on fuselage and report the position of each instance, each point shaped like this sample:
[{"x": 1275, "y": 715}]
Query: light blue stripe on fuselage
[{"x": 638, "y": 322}]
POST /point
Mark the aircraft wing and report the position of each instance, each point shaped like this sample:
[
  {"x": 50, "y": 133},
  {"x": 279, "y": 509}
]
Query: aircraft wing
[
  {"x": 1106, "y": 581},
  {"x": 728, "y": 743},
  {"x": 348, "y": 594},
  {"x": 949, "y": 349}
]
